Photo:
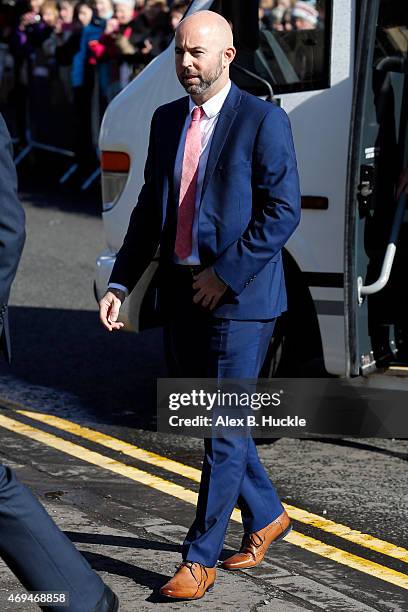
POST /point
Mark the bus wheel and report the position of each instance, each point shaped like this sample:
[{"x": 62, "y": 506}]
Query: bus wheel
[
  {"x": 295, "y": 349},
  {"x": 273, "y": 364}
]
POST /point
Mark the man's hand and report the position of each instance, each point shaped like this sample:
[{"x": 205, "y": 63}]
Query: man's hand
[
  {"x": 59, "y": 25},
  {"x": 210, "y": 288},
  {"x": 112, "y": 25},
  {"x": 147, "y": 47},
  {"x": 28, "y": 19},
  {"x": 109, "y": 307}
]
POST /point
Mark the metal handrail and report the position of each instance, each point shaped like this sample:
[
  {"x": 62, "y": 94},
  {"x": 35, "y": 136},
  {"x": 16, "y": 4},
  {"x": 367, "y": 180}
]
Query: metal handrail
[
  {"x": 255, "y": 76},
  {"x": 388, "y": 257}
]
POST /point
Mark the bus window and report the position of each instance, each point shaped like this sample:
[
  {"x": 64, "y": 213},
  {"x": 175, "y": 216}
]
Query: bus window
[
  {"x": 286, "y": 44},
  {"x": 391, "y": 44}
]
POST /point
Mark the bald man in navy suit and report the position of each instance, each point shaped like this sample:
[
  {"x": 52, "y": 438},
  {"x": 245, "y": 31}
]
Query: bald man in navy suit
[{"x": 221, "y": 198}]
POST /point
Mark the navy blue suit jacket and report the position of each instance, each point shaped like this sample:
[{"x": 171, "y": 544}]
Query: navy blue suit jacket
[
  {"x": 12, "y": 232},
  {"x": 250, "y": 204}
]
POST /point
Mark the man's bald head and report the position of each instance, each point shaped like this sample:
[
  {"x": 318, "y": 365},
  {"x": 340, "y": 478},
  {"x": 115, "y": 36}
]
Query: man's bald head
[
  {"x": 208, "y": 26},
  {"x": 204, "y": 51}
]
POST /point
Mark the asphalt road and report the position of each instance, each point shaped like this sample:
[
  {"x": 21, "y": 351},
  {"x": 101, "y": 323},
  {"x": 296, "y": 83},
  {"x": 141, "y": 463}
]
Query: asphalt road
[{"x": 66, "y": 365}]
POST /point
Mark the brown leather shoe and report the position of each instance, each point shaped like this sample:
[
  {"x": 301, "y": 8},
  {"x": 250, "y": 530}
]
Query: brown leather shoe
[
  {"x": 191, "y": 581},
  {"x": 254, "y": 545}
]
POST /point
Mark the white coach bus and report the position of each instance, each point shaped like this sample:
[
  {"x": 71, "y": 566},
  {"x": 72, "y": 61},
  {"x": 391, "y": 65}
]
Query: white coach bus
[{"x": 340, "y": 74}]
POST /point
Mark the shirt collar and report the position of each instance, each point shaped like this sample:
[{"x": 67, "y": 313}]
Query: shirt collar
[{"x": 213, "y": 106}]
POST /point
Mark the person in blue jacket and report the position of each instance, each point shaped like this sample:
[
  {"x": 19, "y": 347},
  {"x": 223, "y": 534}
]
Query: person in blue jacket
[{"x": 85, "y": 71}]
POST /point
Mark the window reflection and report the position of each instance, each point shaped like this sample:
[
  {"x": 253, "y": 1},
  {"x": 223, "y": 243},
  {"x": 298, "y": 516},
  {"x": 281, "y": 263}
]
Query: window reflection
[{"x": 288, "y": 47}]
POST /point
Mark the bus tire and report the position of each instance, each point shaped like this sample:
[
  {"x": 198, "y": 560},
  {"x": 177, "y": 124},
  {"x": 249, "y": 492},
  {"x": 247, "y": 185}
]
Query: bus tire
[{"x": 295, "y": 349}]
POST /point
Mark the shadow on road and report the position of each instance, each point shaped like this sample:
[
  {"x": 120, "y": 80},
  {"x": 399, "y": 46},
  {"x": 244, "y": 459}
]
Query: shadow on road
[
  {"x": 79, "y": 537},
  {"x": 71, "y": 200},
  {"x": 80, "y": 369},
  {"x": 38, "y": 181},
  {"x": 144, "y": 577}
]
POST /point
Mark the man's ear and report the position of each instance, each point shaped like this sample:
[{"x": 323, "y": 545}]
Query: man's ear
[{"x": 230, "y": 53}]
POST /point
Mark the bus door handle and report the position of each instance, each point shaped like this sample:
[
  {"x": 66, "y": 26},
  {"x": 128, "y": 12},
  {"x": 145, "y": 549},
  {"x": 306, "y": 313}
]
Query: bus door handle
[
  {"x": 365, "y": 189},
  {"x": 388, "y": 257}
]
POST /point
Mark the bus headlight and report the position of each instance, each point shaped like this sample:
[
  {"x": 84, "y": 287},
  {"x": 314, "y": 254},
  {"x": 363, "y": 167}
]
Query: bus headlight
[{"x": 115, "y": 171}]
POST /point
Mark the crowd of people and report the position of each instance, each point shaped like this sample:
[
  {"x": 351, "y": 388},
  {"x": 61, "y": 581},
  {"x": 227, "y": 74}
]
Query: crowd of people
[
  {"x": 286, "y": 15},
  {"x": 84, "y": 42},
  {"x": 90, "y": 49}
]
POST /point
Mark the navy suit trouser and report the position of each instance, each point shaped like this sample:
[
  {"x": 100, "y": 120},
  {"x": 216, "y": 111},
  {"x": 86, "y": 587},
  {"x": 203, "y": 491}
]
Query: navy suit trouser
[
  {"x": 39, "y": 553},
  {"x": 200, "y": 345}
]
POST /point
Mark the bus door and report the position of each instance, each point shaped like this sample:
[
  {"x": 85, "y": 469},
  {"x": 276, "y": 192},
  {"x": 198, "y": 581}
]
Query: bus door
[{"x": 376, "y": 248}]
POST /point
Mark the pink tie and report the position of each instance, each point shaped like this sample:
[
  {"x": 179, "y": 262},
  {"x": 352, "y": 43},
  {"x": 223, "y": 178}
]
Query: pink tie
[{"x": 188, "y": 186}]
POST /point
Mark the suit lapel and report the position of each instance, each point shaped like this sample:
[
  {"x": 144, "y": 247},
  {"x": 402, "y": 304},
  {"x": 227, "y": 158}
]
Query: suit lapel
[
  {"x": 175, "y": 129},
  {"x": 227, "y": 115},
  {"x": 175, "y": 125}
]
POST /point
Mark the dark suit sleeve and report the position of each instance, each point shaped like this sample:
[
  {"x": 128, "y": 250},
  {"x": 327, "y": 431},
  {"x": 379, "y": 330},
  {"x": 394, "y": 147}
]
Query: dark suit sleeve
[
  {"x": 276, "y": 204},
  {"x": 143, "y": 234},
  {"x": 12, "y": 229},
  {"x": 12, "y": 218}
]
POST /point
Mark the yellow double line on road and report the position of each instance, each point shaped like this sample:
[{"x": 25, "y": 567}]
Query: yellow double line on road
[
  {"x": 191, "y": 473},
  {"x": 187, "y": 495}
]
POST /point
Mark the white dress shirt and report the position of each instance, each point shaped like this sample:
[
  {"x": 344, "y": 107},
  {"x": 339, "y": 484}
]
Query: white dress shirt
[{"x": 208, "y": 122}]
